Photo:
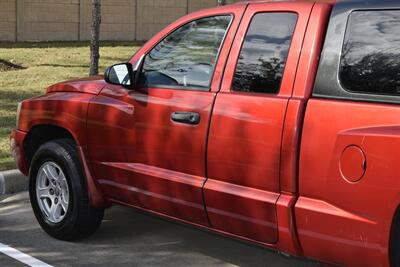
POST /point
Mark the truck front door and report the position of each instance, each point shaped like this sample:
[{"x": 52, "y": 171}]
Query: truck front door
[{"x": 147, "y": 144}]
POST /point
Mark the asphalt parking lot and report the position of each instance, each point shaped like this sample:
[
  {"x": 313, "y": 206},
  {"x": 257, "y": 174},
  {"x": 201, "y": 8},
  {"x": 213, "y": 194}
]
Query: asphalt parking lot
[{"x": 128, "y": 238}]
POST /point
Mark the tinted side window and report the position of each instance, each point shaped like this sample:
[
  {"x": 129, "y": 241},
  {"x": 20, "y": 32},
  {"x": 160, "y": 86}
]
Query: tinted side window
[
  {"x": 263, "y": 56},
  {"x": 370, "y": 61},
  {"x": 187, "y": 57}
]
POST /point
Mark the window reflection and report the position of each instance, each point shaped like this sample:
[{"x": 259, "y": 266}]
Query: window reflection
[
  {"x": 371, "y": 53},
  {"x": 263, "y": 56},
  {"x": 187, "y": 57}
]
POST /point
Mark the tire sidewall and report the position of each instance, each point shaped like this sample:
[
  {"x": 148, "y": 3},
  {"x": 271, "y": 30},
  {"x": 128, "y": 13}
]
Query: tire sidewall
[{"x": 56, "y": 153}]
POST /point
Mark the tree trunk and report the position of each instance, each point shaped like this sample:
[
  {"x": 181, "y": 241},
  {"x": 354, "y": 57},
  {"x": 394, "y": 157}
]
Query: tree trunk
[
  {"x": 221, "y": 2},
  {"x": 94, "y": 43}
]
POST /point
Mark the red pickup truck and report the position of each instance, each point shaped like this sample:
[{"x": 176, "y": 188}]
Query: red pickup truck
[{"x": 276, "y": 123}]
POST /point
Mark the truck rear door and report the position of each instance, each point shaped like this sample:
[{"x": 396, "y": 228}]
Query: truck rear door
[{"x": 244, "y": 144}]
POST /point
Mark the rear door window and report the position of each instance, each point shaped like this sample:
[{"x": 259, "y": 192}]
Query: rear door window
[{"x": 263, "y": 56}]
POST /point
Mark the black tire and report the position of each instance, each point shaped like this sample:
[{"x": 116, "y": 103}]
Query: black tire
[
  {"x": 80, "y": 220},
  {"x": 395, "y": 241}
]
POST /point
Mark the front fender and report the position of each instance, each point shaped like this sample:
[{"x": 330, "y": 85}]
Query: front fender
[{"x": 64, "y": 109}]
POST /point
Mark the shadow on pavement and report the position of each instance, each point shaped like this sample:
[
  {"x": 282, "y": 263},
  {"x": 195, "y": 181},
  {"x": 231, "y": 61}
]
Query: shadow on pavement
[{"x": 129, "y": 238}]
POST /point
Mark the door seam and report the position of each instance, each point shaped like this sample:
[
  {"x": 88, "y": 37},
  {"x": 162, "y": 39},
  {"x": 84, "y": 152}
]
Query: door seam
[{"x": 210, "y": 118}]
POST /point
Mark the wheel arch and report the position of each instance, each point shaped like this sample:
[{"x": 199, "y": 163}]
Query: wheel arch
[{"x": 42, "y": 133}]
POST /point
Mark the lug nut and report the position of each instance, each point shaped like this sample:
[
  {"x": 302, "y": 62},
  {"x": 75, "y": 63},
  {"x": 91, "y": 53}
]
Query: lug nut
[
  {"x": 51, "y": 191},
  {"x": 56, "y": 200}
]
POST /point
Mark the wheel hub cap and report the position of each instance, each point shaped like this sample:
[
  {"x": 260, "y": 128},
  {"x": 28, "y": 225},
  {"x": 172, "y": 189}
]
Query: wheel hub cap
[{"x": 52, "y": 192}]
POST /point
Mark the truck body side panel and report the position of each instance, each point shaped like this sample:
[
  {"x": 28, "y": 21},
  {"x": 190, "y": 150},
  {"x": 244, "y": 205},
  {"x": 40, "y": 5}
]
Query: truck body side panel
[
  {"x": 348, "y": 183},
  {"x": 346, "y": 202}
]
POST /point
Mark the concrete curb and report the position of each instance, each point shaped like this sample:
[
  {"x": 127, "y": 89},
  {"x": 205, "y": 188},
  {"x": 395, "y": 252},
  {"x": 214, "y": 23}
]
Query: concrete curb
[{"x": 12, "y": 181}]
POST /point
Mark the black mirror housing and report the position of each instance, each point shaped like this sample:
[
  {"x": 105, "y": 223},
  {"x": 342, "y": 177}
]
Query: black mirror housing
[
  {"x": 124, "y": 74},
  {"x": 120, "y": 74}
]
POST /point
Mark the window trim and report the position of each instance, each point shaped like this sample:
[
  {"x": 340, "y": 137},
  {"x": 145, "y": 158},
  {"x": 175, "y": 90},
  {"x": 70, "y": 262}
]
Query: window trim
[
  {"x": 241, "y": 47},
  {"x": 192, "y": 88}
]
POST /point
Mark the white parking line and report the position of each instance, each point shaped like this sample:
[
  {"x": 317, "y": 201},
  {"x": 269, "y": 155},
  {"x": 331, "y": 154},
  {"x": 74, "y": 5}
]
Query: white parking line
[{"x": 22, "y": 257}]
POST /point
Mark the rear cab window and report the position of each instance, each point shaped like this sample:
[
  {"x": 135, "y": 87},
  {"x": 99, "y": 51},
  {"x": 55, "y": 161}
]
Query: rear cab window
[
  {"x": 370, "y": 60},
  {"x": 360, "y": 58}
]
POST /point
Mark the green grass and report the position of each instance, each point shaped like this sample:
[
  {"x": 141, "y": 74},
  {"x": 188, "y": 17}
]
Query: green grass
[{"x": 45, "y": 63}]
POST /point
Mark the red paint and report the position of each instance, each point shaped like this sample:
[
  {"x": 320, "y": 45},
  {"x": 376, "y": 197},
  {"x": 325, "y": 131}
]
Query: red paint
[
  {"x": 130, "y": 131},
  {"x": 16, "y": 140},
  {"x": 357, "y": 216},
  {"x": 88, "y": 85},
  {"x": 245, "y": 142},
  {"x": 65, "y": 109},
  {"x": 286, "y": 171},
  {"x": 96, "y": 197}
]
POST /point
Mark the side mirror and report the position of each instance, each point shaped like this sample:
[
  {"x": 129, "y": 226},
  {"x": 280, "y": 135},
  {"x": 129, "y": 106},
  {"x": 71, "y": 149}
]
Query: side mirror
[
  {"x": 120, "y": 74},
  {"x": 124, "y": 74}
]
